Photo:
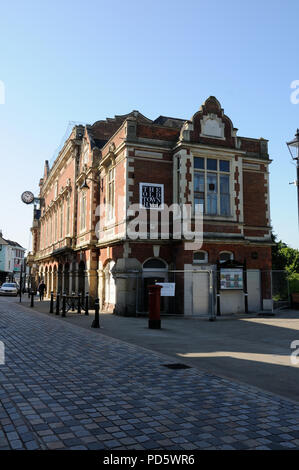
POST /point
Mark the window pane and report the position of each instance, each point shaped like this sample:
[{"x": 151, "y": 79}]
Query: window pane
[
  {"x": 224, "y": 165},
  {"x": 199, "y": 163},
  {"x": 199, "y": 199},
  {"x": 212, "y": 193},
  {"x": 212, "y": 204},
  {"x": 212, "y": 164},
  {"x": 212, "y": 183},
  {"x": 199, "y": 256},
  {"x": 225, "y": 256},
  {"x": 199, "y": 181},
  {"x": 224, "y": 204},
  {"x": 224, "y": 184}
]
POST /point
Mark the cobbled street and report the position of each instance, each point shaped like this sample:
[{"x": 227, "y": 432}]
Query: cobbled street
[{"x": 65, "y": 387}]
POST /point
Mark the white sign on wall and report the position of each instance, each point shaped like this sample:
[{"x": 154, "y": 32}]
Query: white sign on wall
[
  {"x": 151, "y": 196},
  {"x": 168, "y": 288}
]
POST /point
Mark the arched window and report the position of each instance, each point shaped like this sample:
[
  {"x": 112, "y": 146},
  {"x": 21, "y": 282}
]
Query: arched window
[
  {"x": 61, "y": 221},
  {"x": 200, "y": 257},
  {"x": 83, "y": 211},
  {"x": 154, "y": 264},
  {"x": 68, "y": 214},
  {"x": 225, "y": 256}
]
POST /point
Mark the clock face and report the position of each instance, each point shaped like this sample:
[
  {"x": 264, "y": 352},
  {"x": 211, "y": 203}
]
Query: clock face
[{"x": 27, "y": 197}]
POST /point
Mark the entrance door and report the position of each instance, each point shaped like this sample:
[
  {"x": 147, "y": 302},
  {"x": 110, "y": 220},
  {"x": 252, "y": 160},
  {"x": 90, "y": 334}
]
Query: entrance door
[
  {"x": 254, "y": 290},
  {"x": 201, "y": 286}
]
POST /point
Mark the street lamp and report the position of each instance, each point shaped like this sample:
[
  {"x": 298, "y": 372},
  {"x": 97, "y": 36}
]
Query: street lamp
[
  {"x": 293, "y": 147},
  {"x": 84, "y": 186}
]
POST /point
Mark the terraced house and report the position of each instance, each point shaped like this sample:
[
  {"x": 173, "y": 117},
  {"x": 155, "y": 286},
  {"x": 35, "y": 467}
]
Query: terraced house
[{"x": 81, "y": 239}]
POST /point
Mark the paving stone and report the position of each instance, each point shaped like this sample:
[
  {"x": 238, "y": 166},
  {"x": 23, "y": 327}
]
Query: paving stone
[{"x": 70, "y": 391}]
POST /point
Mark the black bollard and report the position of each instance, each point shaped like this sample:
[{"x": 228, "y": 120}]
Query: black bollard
[
  {"x": 32, "y": 299},
  {"x": 52, "y": 302},
  {"x": 96, "y": 321},
  {"x": 63, "y": 305},
  {"x": 86, "y": 303},
  {"x": 57, "y": 303},
  {"x": 73, "y": 301}
]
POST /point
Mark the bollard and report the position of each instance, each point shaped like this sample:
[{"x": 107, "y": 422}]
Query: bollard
[
  {"x": 32, "y": 299},
  {"x": 96, "y": 321},
  {"x": 52, "y": 302},
  {"x": 86, "y": 304},
  {"x": 63, "y": 305},
  {"x": 73, "y": 301},
  {"x": 79, "y": 301},
  {"x": 57, "y": 303},
  {"x": 154, "y": 295}
]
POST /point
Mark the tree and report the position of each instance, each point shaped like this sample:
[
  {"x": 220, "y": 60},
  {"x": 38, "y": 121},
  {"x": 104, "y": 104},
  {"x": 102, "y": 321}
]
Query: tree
[{"x": 284, "y": 257}]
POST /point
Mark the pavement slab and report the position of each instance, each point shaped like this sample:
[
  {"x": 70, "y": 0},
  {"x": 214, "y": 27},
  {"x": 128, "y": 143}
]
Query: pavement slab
[{"x": 70, "y": 386}]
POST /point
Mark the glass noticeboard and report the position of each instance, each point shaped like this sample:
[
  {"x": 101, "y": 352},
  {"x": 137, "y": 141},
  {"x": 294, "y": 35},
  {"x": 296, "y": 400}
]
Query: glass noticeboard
[{"x": 231, "y": 279}]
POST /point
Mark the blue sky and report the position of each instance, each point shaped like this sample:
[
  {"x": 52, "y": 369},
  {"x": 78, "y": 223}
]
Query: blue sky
[{"x": 65, "y": 61}]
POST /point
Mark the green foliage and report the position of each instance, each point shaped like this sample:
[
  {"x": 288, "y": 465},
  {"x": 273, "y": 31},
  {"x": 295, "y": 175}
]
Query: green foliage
[
  {"x": 285, "y": 257},
  {"x": 294, "y": 282}
]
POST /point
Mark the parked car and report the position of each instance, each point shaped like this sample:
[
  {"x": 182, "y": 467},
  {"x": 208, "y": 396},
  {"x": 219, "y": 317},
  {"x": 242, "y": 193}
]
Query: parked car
[{"x": 9, "y": 288}]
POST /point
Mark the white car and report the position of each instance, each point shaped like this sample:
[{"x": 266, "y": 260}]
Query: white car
[{"x": 9, "y": 288}]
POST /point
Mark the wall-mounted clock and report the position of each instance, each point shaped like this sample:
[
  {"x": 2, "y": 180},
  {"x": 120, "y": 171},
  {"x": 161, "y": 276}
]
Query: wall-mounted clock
[{"x": 27, "y": 197}]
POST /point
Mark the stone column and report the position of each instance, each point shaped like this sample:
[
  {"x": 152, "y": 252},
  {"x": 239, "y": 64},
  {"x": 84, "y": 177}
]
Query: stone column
[
  {"x": 126, "y": 272},
  {"x": 101, "y": 286}
]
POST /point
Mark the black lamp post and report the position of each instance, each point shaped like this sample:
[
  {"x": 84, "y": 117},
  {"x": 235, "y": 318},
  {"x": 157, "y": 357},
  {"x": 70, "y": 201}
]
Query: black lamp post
[{"x": 293, "y": 147}]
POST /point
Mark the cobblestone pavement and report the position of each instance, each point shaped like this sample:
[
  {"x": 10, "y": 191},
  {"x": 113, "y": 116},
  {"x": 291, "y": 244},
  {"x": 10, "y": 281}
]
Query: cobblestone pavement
[{"x": 64, "y": 387}]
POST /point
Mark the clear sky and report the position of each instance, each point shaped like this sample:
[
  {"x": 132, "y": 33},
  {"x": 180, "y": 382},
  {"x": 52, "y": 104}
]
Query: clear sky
[{"x": 63, "y": 61}]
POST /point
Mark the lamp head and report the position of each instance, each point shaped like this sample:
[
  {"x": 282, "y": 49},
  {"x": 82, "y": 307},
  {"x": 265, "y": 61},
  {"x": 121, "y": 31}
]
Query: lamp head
[
  {"x": 84, "y": 186},
  {"x": 293, "y": 146}
]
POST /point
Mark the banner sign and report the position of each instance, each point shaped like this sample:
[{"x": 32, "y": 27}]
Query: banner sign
[{"x": 151, "y": 196}]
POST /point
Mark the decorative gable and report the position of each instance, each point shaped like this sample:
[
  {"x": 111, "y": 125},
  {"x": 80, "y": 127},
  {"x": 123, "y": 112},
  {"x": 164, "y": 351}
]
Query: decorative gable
[{"x": 212, "y": 126}]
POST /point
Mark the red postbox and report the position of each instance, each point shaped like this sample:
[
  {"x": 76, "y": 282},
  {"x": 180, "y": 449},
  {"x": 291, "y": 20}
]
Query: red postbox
[{"x": 154, "y": 294}]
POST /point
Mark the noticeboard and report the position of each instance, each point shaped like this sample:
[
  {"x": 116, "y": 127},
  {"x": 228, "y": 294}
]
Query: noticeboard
[
  {"x": 168, "y": 288},
  {"x": 231, "y": 279}
]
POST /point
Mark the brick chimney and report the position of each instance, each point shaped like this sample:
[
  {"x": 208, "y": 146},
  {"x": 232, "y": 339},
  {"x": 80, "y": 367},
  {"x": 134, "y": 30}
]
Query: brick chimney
[{"x": 46, "y": 170}]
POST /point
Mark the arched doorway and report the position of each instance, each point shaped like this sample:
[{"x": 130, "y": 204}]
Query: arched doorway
[
  {"x": 66, "y": 278},
  {"x": 109, "y": 283},
  {"x": 154, "y": 270},
  {"x": 81, "y": 277},
  {"x": 59, "y": 284},
  {"x": 47, "y": 281},
  {"x": 50, "y": 280},
  {"x": 54, "y": 279}
]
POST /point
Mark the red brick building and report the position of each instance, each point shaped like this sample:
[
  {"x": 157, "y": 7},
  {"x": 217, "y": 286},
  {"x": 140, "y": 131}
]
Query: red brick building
[{"x": 81, "y": 240}]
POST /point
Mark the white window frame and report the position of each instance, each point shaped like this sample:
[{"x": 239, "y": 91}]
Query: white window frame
[
  {"x": 219, "y": 173},
  {"x": 68, "y": 214},
  {"x": 110, "y": 194},
  {"x": 61, "y": 222},
  {"x": 83, "y": 210},
  {"x": 230, "y": 253},
  {"x": 205, "y": 260}
]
